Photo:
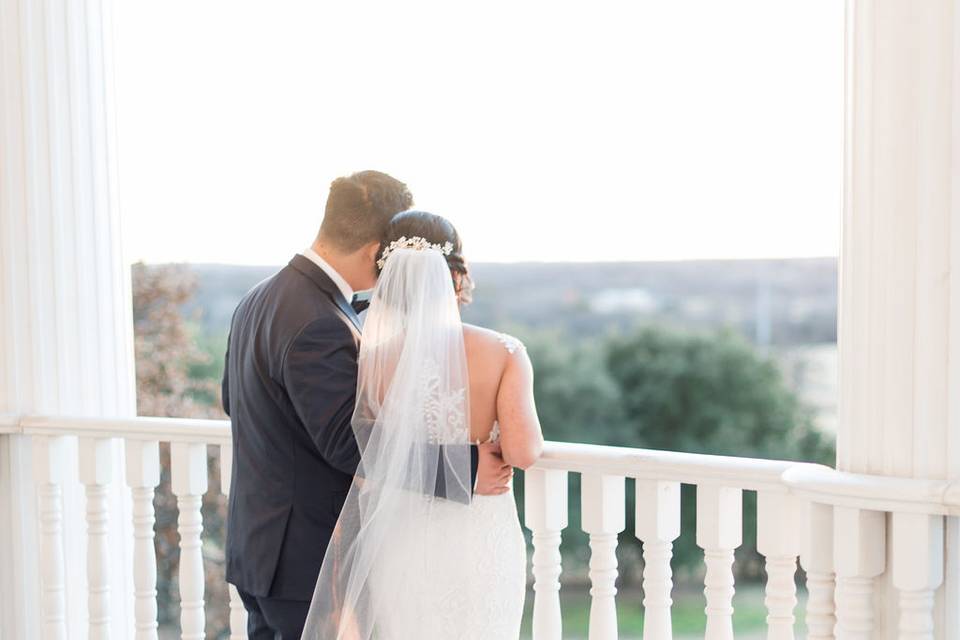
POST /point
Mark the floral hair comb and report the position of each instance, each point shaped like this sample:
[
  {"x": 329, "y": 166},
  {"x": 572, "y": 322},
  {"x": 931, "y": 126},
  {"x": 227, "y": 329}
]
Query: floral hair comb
[{"x": 417, "y": 243}]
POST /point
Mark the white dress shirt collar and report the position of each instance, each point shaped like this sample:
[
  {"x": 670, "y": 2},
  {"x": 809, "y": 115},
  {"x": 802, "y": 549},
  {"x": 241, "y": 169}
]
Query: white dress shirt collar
[{"x": 338, "y": 280}]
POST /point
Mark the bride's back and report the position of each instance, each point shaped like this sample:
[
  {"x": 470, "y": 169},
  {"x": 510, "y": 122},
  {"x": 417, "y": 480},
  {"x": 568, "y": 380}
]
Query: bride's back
[
  {"x": 487, "y": 359},
  {"x": 500, "y": 374}
]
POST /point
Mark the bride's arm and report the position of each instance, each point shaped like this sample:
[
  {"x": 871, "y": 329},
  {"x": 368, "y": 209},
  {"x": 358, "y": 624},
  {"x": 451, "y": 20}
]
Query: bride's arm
[
  {"x": 348, "y": 627},
  {"x": 521, "y": 439}
]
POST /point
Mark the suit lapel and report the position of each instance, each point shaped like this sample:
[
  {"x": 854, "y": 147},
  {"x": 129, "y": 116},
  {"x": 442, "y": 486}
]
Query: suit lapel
[
  {"x": 306, "y": 266},
  {"x": 347, "y": 310}
]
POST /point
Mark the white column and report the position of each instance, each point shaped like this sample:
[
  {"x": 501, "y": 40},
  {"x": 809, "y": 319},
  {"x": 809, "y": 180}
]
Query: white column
[
  {"x": 657, "y": 526},
  {"x": 238, "y": 613},
  {"x": 189, "y": 480},
  {"x": 66, "y": 312},
  {"x": 143, "y": 476},
  {"x": 603, "y": 516},
  {"x": 817, "y": 560},
  {"x": 899, "y": 330},
  {"x": 545, "y": 514},
  {"x": 65, "y": 329},
  {"x": 719, "y": 533}
]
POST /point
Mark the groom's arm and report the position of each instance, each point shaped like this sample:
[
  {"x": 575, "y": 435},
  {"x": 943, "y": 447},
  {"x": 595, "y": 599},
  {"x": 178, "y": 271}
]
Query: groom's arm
[
  {"x": 225, "y": 384},
  {"x": 320, "y": 376},
  {"x": 440, "y": 490},
  {"x": 474, "y": 465}
]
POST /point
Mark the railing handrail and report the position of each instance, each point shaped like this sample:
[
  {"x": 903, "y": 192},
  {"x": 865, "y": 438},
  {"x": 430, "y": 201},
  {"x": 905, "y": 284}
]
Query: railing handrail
[
  {"x": 815, "y": 482},
  {"x": 136, "y": 428},
  {"x": 873, "y": 492},
  {"x": 655, "y": 464},
  {"x": 9, "y": 424}
]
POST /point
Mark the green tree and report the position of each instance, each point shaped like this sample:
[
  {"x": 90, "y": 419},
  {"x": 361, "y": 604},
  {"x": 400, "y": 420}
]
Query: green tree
[{"x": 709, "y": 393}]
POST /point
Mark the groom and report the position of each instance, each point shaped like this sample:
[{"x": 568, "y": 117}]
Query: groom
[{"x": 288, "y": 386}]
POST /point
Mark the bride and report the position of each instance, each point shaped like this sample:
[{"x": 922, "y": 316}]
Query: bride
[{"x": 415, "y": 554}]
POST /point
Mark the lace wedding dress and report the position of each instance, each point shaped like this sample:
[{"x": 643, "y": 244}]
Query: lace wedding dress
[{"x": 414, "y": 554}]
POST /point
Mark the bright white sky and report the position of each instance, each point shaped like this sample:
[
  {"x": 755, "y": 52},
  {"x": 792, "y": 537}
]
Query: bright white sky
[{"x": 635, "y": 130}]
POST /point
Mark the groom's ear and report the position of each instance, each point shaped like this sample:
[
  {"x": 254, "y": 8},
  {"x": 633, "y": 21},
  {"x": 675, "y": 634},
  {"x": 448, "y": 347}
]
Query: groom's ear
[{"x": 371, "y": 251}]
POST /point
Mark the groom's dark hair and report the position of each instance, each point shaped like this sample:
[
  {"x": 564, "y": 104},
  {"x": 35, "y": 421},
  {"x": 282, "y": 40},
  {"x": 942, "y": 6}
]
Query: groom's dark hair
[{"x": 359, "y": 208}]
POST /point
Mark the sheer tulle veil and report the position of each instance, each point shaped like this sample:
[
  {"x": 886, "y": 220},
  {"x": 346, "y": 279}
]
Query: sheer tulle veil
[{"x": 411, "y": 424}]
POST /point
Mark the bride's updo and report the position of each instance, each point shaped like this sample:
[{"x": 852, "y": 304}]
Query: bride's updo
[{"x": 435, "y": 230}]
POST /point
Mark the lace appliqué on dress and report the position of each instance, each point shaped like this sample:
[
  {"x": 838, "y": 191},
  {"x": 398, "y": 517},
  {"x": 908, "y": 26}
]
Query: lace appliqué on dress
[
  {"x": 443, "y": 411},
  {"x": 512, "y": 344}
]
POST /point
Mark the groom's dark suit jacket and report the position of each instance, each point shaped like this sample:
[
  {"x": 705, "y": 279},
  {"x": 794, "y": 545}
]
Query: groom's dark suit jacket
[{"x": 289, "y": 386}]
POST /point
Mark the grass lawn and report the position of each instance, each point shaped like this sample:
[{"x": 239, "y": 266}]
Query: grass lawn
[{"x": 688, "y": 617}]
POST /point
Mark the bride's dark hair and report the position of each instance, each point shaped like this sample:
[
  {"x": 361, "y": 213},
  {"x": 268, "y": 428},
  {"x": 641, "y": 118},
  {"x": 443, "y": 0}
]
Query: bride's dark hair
[{"x": 435, "y": 230}]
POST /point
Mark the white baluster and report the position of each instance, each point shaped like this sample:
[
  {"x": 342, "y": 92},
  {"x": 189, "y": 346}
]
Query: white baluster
[
  {"x": 657, "y": 526},
  {"x": 143, "y": 476},
  {"x": 817, "y": 560},
  {"x": 602, "y": 508},
  {"x": 226, "y": 468},
  {"x": 859, "y": 548},
  {"x": 96, "y": 473},
  {"x": 917, "y": 558},
  {"x": 48, "y": 461},
  {"x": 189, "y": 480},
  {"x": 778, "y": 540},
  {"x": 545, "y": 514},
  {"x": 238, "y": 613},
  {"x": 719, "y": 532}
]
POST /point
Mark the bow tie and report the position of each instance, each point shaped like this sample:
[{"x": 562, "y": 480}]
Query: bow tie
[{"x": 359, "y": 304}]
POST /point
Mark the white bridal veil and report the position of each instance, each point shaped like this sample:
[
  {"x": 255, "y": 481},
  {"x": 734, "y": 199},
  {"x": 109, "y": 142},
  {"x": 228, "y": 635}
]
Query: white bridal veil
[{"x": 411, "y": 423}]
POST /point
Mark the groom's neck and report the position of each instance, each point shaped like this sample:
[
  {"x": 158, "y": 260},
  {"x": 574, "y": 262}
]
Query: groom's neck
[
  {"x": 334, "y": 257},
  {"x": 350, "y": 266},
  {"x": 325, "y": 251}
]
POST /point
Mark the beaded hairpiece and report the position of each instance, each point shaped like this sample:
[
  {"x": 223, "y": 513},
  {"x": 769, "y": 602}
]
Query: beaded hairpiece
[{"x": 416, "y": 243}]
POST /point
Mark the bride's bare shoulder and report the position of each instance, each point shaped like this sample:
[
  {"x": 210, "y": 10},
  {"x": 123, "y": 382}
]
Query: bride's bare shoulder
[{"x": 488, "y": 340}]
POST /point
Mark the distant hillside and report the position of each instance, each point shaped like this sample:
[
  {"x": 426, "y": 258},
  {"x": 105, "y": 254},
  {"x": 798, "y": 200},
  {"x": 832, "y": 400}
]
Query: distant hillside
[{"x": 772, "y": 302}]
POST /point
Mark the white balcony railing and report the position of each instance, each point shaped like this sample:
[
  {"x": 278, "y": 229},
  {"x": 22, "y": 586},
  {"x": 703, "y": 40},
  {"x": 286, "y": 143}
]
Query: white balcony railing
[{"x": 834, "y": 522}]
